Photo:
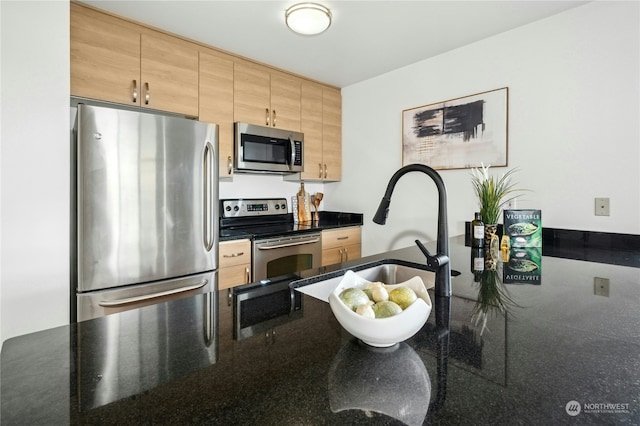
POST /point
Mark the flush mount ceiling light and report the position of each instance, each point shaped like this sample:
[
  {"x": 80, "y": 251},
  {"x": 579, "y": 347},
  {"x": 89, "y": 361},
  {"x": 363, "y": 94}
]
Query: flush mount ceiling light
[{"x": 308, "y": 18}]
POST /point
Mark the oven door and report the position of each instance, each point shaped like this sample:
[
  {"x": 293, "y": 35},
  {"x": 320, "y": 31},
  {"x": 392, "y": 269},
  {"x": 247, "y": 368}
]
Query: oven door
[{"x": 284, "y": 255}]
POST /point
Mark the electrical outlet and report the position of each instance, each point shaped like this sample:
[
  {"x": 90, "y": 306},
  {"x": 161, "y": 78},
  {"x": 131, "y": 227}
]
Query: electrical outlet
[
  {"x": 601, "y": 286},
  {"x": 602, "y": 207}
]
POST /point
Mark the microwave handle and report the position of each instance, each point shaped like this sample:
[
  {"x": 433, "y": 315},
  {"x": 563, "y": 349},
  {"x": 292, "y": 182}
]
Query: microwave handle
[{"x": 292, "y": 147}]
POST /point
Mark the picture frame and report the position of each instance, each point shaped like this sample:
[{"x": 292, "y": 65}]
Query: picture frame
[{"x": 459, "y": 133}]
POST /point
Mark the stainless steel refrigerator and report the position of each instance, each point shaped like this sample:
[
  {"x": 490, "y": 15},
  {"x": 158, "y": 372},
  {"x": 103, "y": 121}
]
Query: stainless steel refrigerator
[{"x": 145, "y": 213}]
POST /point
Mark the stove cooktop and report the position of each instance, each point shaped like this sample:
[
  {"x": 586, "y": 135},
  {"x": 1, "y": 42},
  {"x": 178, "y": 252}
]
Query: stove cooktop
[{"x": 258, "y": 218}]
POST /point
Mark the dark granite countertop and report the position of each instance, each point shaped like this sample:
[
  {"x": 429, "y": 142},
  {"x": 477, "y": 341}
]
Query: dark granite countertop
[{"x": 567, "y": 352}]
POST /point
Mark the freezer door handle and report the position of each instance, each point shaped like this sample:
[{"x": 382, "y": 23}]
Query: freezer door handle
[
  {"x": 208, "y": 188},
  {"x": 128, "y": 300}
]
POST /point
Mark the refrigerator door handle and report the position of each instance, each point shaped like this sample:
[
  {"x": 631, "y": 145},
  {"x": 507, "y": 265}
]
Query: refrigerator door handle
[
  {"x": 208, "y": 228},
  {"x": 126, "y": 301}
]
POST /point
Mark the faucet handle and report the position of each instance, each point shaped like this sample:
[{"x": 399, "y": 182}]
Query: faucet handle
[{"x": 433, "y": 261}]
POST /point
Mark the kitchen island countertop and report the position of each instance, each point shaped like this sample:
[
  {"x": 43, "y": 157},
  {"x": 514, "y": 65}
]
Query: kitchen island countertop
[{"x": 567, "y": 351}]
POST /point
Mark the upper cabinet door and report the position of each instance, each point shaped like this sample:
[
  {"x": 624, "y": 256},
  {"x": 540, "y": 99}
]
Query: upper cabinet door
[
  {"x": 117, "y": 61},
  {"x": 216, "y": 103},
  {"x": 169, "y": 74},
  {"x": 285, "y": 101},
  {"x": 252, "y": 93},
  {"x": 265, "y": 97},
  {"x": 105, "y": 57},
  {"x": 311, "y": 126},
  {"x": 332, "y": 133}
]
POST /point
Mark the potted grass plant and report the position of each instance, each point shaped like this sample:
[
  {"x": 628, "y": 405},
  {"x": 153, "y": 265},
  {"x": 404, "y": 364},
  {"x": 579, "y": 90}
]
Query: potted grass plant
[{"x": 493, "y": 194}]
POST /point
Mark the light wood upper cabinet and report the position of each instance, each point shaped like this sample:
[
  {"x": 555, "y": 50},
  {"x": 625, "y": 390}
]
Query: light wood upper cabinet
[
  {"x": 321, "y": 123},
  {"x": 311, "y": 126},
  {"x": 105, "y": 57},
  {"x": 115, "y": 60},
  {"x": 216, "y": 103},
  {"x": 252, "y": 94},
  {"x": 332, "y": 133},
  {"x": 265, "y": 97},
  {"x": 169, "y": 74},
  {"x": 285, "y": 101}
]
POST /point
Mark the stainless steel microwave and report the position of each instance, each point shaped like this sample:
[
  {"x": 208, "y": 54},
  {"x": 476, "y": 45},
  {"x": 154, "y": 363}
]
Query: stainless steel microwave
[{"x": 267, "y": 149}]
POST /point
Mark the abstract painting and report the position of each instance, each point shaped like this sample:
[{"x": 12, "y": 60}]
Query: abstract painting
[{"x": 459, "y": 133}]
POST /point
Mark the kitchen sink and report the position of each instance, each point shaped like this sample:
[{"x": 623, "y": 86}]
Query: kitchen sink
[
  {"x": 387, "y": 271},
  {"x": 393, "y": 273}
]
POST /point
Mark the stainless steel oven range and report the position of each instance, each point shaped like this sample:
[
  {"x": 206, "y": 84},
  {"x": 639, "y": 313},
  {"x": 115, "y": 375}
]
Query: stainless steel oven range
[
  {"x": 280, "y": 249},
  {"x": 280, "y": 246}
]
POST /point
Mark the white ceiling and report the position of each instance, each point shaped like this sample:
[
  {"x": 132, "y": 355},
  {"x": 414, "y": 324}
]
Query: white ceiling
[{"x": 366, "y": 38}]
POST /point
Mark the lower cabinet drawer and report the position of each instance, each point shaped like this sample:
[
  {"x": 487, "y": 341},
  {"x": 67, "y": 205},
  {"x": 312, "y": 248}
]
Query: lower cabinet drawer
[
  {"x": 234, "y": 263},
  {"x": 341, "y": 237},
  {"x": 234, "y": 253}
]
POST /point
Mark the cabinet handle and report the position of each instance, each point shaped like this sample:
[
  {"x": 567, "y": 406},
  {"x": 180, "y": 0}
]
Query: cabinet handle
[
  {"x": 233, "y": 254},
  {"x": 135, "y": 91},
  {"x": 267, "y": 116},
  {"x": 229, "y": 297},
  {"x": 341, "y": 254},
  {"x": 147, "y": 95},
  {"x": 247, "y": 271},
  {"x": 346, "y": 254},
  {"x": 230, "y": 164},
  {"x": 343, "y": 238},
  {"x": 274, "y": 118},
  {"x": 325, "y": 170},
  {"x": 320, "y": 170}
]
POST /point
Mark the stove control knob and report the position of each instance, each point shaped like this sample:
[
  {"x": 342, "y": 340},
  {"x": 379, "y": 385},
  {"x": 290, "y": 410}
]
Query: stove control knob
[
  {"x": 228, "y": 208},
  {"x": 236, "y": 208},
  {"x": 283, "y": 206},
  {"x": 277, "y": 206}
]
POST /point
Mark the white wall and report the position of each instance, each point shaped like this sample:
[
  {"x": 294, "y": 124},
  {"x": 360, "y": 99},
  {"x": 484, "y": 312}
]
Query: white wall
[
  {"x": 34, "y": 141},
  {"x": 573, "y": 126}
]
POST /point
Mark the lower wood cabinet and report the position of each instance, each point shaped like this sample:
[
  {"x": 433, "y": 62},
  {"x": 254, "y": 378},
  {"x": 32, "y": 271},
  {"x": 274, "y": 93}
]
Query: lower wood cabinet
[
  {"x": 234, "y": 263},
  {"x": 340, "y": 245}
]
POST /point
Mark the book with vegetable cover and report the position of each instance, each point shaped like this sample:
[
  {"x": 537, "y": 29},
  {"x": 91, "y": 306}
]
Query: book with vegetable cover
[{"x": 524, "y": 227}]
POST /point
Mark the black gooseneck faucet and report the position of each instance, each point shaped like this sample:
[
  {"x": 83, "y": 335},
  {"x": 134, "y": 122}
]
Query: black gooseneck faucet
[{"x": 439, "y": 261}]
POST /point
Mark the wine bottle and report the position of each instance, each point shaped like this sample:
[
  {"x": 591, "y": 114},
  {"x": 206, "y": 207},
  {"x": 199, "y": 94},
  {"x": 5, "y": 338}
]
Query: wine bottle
[{"x": 477, "y": 232}]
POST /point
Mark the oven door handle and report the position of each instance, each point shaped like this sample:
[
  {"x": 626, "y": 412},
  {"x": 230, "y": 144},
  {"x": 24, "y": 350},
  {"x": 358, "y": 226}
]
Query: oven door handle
[{"x": 291, "y": 244}]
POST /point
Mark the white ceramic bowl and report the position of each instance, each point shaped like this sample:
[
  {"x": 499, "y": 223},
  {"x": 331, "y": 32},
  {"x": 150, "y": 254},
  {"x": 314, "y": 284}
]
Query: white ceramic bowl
[{"x": 381, "y": 332}]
